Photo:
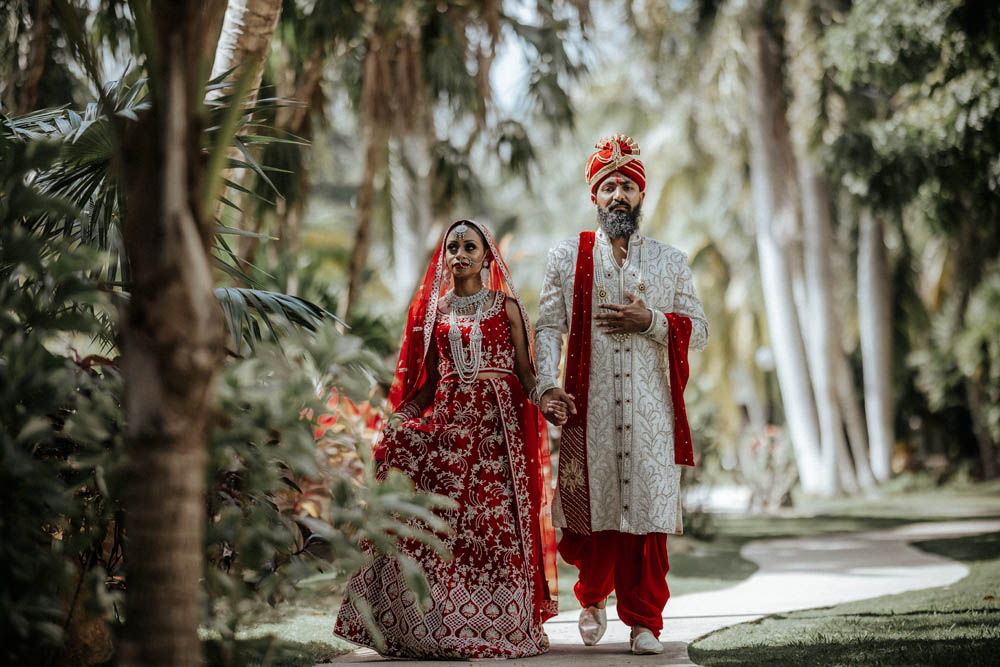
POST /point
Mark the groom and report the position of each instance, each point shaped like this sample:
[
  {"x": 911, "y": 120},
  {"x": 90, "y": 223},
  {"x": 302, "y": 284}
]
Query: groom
[{"x": 629, "y": 305}]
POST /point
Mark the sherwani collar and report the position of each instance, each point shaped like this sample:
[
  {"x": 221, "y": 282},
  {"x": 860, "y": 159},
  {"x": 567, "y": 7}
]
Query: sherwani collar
[
  {"x": 603, "y": 242},
  {"x": 603, "y": 238}
]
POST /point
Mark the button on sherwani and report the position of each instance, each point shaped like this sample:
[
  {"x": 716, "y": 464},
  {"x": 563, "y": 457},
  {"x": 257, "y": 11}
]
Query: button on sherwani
[{"x": 634, "y": 480}]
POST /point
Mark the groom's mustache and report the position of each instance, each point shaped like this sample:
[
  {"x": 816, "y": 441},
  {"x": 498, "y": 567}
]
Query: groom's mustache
[{"x": 616, "y": 204}]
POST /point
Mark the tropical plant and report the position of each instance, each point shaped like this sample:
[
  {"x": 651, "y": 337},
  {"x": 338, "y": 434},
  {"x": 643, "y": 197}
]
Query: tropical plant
[
  {"x": 62, "y": 452},
  {"x": 291, "y": 497},
  {"x": 915, "y": 140},
  {"x": 84, "y": 175},
  {"x": 285, "y": 502}
]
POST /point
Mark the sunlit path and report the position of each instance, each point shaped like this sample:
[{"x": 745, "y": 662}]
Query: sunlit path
[{"x": 797, "y": 573}]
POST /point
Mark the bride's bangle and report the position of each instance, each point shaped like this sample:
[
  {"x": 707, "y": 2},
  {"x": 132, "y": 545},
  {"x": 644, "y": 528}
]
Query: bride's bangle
[{"x": 408, "y": 411}]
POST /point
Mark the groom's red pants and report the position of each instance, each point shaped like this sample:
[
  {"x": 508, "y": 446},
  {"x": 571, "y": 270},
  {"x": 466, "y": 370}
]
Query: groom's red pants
[{"x": 633, "y": 566}]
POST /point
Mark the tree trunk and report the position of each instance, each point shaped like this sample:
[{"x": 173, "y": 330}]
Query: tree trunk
[
  {"x": 980, "y": 426},
  {"x": 32, "y": 75},
  {"x": 854, "y": 422},
  {"x": 245, "y": 40},
  {"x": 246, "y": 37},
  {"x": 875, "y": 328},
  {"x": 772, "y": 178},
  {"x": 172, "y": 344},
  {"x": 823, "y": 341}
]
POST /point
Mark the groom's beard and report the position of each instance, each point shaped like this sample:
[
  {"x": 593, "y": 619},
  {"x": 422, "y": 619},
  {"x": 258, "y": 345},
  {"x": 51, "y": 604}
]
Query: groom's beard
[{"x": 619, "y": 224}]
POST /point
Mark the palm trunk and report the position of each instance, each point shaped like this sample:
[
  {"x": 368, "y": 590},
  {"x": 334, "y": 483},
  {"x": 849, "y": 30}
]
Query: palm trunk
[
  {"x": 975, "y": 393},
  {"x": 32, "y": 75},
  {"x": 875, "y": 327},
  {"x": 824, "y": 344},
  {"x": 772, "y": 179},
  {"x": 246, "y": 37},
  {"x": 854, "y": 422},
  {"x": 245, "y": 40},
  {"x": 172, "y": 342}
]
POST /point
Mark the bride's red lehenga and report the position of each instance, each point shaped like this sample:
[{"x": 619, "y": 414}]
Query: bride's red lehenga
[{"x": 484, "y": 445}]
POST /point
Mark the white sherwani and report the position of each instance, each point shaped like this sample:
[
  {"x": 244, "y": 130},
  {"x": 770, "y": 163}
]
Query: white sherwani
[{"x": 634, "y": 482}]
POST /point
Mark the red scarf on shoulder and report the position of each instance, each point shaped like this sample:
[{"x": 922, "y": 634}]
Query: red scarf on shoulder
[{"x": 574, "y": 477}]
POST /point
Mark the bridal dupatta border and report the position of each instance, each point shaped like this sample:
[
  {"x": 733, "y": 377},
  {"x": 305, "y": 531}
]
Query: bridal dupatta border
[{"x": 574, "y": 476}]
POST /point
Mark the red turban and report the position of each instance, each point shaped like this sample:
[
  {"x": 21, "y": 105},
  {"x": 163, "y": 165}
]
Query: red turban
[{"x": 615, "y": 153}]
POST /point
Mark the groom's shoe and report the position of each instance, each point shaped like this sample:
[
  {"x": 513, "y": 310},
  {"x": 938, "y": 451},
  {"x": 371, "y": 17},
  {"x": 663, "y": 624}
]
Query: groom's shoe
[
  {"x": 593, "y": 623},
  {"x": 644, "y": 643}
]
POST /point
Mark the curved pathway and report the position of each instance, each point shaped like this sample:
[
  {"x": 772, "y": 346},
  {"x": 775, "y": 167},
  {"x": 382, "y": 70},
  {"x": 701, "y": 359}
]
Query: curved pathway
[{"x": 795, "y": 573}]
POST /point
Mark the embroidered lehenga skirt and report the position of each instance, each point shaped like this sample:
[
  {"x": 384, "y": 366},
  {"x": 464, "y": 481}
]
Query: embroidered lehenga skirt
[{"x": 485, "y": 600}]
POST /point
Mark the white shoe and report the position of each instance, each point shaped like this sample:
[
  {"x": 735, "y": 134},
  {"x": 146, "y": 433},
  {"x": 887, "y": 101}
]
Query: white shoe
[
  {"x": 645, "y": 643},
  {"x": 593, "y": 623}
]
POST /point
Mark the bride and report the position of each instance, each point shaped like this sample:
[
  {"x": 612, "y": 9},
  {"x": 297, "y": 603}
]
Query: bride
[{"x": 464, "y": 427}]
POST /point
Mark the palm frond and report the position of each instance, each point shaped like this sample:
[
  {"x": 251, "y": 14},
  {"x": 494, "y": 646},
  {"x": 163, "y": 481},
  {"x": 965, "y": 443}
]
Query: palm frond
[
  {"x": 83, "y": 177},
  {"x": 251, "y": 312}
]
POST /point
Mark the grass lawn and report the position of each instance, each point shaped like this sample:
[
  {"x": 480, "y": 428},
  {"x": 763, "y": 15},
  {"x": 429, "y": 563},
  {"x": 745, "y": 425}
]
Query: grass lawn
[{"x": 949, "y": 625}]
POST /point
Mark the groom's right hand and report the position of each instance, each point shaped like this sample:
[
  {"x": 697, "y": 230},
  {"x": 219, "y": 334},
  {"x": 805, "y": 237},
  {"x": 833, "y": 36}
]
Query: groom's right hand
[{"x": 555, "y": 404}]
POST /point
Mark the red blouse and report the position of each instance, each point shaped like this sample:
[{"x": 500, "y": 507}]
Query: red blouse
[{"x": 497, "y": 344}]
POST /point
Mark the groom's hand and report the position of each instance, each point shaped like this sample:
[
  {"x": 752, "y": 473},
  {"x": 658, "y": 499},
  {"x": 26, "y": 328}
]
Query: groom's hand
[
  {"x": 634, "y": 317},
  {"x": 556, "y": 405}
]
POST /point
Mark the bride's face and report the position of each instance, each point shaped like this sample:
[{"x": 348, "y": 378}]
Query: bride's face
[{"x": 465, "y": 251}]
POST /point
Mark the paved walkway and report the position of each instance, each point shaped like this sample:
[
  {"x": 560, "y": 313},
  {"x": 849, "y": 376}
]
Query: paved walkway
[{"x": 798, "y": 573}]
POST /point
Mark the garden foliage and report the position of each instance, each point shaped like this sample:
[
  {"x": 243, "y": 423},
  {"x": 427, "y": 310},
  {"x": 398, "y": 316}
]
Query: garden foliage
[{"x": 289, "y": 497}]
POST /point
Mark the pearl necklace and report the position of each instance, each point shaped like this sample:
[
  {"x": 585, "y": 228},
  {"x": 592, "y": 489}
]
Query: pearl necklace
[
  {"x": 602, "y": 291},
  {"x": 466, "y": 363}
]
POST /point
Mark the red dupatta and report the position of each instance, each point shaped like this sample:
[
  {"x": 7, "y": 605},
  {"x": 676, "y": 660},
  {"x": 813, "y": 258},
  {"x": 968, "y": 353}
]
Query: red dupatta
[
  {"x": 411, "y": 373},
  {"x": 574, "y": 477}
]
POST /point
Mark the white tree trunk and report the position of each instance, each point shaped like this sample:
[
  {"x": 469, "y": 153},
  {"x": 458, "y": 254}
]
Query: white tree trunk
[
  {"x": 247, "y": 31},
  {"x": 772, "y": 179},
  {"x": 854, "y": 422},
  {"x": 823, "y": 342},
  {"x": 874, "y": 322}
]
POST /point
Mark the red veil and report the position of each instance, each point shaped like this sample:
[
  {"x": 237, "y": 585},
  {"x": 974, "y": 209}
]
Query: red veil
[{"x": 411, "y": 373}]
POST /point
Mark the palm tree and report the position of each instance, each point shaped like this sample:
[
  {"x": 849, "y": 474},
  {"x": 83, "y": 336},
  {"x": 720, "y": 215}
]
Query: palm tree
[
  {"x": 245, "y": 39},
  {"x": 874, "y": 325},
  {"x": 772, "y": 175},
  {"x": 420, "y": 58},
  {"x": 172, "y": 338},
  {"x": 85, "y": 175}
]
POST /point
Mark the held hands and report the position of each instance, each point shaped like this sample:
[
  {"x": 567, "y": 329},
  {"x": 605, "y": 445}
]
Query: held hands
[
  {"x": 556, "y": 406},
  {"x": 633, "y": 317}
]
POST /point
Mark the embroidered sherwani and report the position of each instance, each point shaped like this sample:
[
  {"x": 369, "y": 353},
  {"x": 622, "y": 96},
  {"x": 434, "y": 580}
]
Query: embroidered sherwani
[{"x": 634, "y": 481}]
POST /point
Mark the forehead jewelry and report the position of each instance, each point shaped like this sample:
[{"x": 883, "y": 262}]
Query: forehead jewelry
[{"x": 460, "y": 231}]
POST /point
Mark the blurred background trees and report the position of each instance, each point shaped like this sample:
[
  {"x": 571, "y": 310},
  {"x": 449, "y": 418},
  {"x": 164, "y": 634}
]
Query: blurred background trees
[{"x": 830, "y": 166}]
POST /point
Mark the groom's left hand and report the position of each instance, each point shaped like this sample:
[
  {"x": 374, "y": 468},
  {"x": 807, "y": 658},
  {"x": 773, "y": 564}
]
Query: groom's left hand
[{"x": 633, "y": 317}]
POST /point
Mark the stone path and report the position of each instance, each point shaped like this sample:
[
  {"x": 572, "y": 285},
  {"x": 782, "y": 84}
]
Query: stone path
[{"x": 798, "y": 573}]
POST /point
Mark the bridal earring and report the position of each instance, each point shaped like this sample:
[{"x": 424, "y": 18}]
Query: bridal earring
[{"x": 485, "y": 274}]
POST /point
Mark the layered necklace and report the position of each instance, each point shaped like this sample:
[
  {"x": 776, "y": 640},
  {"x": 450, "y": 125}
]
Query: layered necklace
[
  {"x": 602, "y": 291},
  {"x": 467, "y": 362}
]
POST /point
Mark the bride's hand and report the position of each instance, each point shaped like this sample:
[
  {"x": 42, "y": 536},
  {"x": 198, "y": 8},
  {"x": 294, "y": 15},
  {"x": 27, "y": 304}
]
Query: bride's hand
[
  {"x": 556, "y": 406},
  {"x": 556, "y": 412}
]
